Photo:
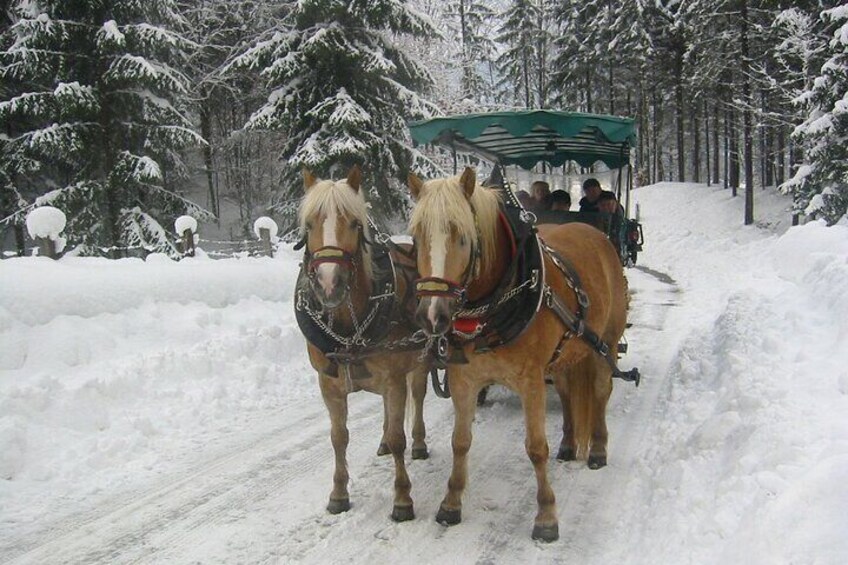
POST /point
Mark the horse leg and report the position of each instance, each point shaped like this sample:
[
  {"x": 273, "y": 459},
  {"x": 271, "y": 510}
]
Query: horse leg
[
  {"x": 464, "y": 397},
  {"x": 395, "y": 401},
  {"x": 383, "y": 448},
  {"x": 545, "y": 526},
  {"x": 602, "y": 391},
  {"x": 567, "y": 447},
  {"x": 336, "y": 402},
  {"x": 419, "y": 432}
]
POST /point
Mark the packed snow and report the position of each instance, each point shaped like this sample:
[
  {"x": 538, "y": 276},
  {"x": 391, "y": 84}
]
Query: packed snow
[
  {"x": 45, "y": 221},
  {"x": 184, "y": 223},
  {"x": 162, "y": 411},
  {"x": 265, "y": 223}
]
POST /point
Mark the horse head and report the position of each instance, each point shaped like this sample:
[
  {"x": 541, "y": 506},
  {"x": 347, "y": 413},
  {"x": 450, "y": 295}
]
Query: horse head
[
  {"x": 446, "y": 227},
  {"x": 333, "y": 217}
]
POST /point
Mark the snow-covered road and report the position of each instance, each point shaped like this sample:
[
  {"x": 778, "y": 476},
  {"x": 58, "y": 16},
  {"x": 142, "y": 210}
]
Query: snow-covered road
[{"x": 166, "y": 413}]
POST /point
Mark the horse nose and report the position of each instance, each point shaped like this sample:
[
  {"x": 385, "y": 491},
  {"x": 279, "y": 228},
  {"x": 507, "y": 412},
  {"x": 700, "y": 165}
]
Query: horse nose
[
  {"x": 432, "y": 316},
  {"x": 329, "y": 279}
]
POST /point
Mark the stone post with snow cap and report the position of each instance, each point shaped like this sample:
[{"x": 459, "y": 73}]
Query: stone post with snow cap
[
  {"x": 45, "y": 224},
  {"x": 186, "y": 228},
  {"x": 266, "y": 230}
]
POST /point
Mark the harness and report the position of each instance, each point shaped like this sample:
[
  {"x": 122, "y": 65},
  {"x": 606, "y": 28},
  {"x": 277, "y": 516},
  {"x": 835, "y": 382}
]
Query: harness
[{"x": 369, "y": 331}]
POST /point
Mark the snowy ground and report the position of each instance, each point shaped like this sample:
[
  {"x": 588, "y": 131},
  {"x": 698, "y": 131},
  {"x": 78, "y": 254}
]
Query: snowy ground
[{"x": 160, "y": 412}]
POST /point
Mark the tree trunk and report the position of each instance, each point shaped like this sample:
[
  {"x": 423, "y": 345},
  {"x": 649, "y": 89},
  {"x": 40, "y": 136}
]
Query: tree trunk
[
  {"x": 727, "y": 148},
  {"x": 678, "y": 95},
  {"x": 734, "y": 154},
  {"x": 747, "y": 119},
  {"x": 716, "y": 122},
  {"x": 707, "y": 139},
  {"x": 781, "y": 155},
  {"x": 206, "y": 132},
  {"x": 696, "y": 148}
]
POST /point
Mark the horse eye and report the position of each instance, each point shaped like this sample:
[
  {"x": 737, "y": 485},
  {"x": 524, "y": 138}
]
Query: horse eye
[{"x": 355, "y": 224}]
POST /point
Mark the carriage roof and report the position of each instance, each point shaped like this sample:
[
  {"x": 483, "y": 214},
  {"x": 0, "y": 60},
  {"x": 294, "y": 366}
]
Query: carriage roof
[{"x": 524, "y": 138}]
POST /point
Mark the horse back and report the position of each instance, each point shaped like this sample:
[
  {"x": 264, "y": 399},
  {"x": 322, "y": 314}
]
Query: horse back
[{"x": 601, "y": 276}]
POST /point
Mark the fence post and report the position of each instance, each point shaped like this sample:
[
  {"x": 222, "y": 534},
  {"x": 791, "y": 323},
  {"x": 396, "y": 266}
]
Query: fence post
[
  {"x": 186, "y": 226},
  {"x": 266, "y": 230},
  {"x": 45, "y": 224}
]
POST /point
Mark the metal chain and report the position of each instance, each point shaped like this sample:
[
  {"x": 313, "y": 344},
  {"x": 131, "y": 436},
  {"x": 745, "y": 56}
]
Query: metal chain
[{"x": 480, "y": 310}]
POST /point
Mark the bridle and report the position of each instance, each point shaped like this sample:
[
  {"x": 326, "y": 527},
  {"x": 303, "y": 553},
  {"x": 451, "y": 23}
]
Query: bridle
[
  {"x": 330, "y": 254},
  {"x": 445, "y": 288}
]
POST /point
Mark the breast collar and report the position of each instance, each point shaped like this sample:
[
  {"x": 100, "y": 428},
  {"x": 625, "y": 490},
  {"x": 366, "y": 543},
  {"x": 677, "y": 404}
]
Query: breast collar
[{"x": 506, "y": 313}]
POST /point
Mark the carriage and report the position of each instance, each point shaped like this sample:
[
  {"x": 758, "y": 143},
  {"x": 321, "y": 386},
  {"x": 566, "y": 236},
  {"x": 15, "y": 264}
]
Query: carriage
[{"x": 527, "y": 138}]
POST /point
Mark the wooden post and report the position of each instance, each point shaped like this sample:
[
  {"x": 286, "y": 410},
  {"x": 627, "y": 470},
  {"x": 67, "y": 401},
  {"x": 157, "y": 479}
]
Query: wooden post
[
  {"x": 265, "y": 237},
  {"x": 46, "y": 247},
  {"x": 187, "y": 243}
]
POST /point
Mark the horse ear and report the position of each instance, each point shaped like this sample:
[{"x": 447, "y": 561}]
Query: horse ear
[
  {"x": 308, "y": 179},
  {"x": 415, "y": 185},
  {"x": 354, "y": 178},
  {"x": 468, "y": 181}
]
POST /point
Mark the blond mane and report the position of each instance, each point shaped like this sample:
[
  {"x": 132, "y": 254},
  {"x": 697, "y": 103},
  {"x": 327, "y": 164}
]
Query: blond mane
[
  {"x": 442, "y": 205},
  {"x": 326, "y": 196}
]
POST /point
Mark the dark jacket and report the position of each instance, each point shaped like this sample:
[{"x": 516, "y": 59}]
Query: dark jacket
[{"x": 586, "y": 206}]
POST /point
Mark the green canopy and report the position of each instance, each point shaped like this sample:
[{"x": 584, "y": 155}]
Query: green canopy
[{"x": 524, "y": 138}]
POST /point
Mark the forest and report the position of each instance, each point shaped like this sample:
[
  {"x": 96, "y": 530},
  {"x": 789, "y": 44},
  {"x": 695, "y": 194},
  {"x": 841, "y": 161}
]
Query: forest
[{"x": 116, "y": 111}]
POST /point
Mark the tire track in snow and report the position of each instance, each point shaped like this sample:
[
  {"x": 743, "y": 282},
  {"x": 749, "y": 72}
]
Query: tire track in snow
[{"x": 154, "y": 522}]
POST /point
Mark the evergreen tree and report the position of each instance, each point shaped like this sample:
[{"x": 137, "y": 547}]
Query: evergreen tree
[
  {"x": 342, "y": 93},
  {"x": 471, "y": 19},
  {"x": 96, "y": 123},
  {"x": 820, "y": 185},
  {"x": 239, "y": 165},
  {"x": 518, "y": 33}
]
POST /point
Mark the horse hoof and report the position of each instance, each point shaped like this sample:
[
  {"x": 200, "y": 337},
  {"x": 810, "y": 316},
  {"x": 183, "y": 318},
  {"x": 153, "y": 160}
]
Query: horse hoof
[
  {"x": 383, "y": 449},
  {"x": 566, "y": 454},
  {"x": 448, "y": 517},
  {"x": 420, "y": 453},
  {"x": 402, "y": 513},
  {"x": 597, "y": 461},
  {"x": 338, "y": 506},
  {"x": 546, "y": 534}
]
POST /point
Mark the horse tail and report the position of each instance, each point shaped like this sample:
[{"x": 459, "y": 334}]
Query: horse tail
[{"x": 581, "y": 402}]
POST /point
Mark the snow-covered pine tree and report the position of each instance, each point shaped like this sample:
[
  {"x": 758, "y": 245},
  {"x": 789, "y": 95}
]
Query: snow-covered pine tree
[
  {"x": 472, "y": 19},
  {"x": 240, "y": 165},
  {"x": 820, "y": 186},
  {"x": 519, "y": 34},
  {"x": 342, "y": 92},
  {"x": 96, "y": 121}
]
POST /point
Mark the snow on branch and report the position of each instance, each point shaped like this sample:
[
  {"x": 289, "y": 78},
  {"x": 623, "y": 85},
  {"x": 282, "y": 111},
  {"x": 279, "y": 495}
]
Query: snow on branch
[
  {"x": 340, "y": 111},
  {"x": 139, "y": 168},
  {"x": 138, "y": 69},
  {"x": 110, "y": 36}
]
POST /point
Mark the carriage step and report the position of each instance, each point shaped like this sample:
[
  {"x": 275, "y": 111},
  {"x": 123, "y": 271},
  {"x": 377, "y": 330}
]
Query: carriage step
[
  {"x": 631, "y": 376},
  {"x": 622, "y": 347}
]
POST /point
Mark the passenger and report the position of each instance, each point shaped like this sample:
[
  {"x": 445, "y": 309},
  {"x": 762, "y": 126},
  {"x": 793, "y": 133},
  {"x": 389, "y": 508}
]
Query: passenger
[
  {"x": 607, "y": 202},
  {"x": 525, "y": 199},
  {"x": 540, "y": 191},
  {"x": 592, "y": 191},
  {"x": 560, "y": 200}
]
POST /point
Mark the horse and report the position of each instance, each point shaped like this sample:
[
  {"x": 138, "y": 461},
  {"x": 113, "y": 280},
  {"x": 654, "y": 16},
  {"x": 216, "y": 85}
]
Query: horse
[
  {"x": 350, "y": 306},
  {"x": 465, "y": 254}
]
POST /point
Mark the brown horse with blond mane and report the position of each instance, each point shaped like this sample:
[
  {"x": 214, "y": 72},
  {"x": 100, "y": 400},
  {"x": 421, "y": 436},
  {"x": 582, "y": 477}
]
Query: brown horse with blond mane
[
  {"x": 350, "y": 306},
  {"x": 464, "y": 251}
]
